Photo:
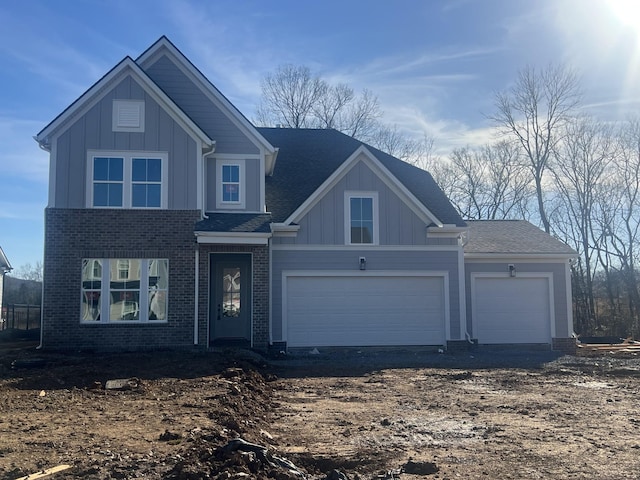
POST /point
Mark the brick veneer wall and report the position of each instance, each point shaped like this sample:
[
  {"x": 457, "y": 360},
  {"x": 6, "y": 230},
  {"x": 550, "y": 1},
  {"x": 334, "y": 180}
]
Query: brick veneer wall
[
  {"x": 260, "y": 293},
  {"x": 564, "y": 345},
  {"x": 74, "y": 234}
]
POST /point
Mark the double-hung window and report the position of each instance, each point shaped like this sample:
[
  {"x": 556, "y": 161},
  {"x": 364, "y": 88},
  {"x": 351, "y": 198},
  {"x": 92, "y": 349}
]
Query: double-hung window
[
  {"x": 230, "y": 176},
  {"x": 124, "y": 290},
  {"x": 126, "y": 180},
  {"x": 361, "y": 218}
]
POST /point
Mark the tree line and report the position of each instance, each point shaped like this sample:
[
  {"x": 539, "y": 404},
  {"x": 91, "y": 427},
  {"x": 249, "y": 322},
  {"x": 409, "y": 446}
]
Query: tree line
[{"x": 551, "y": 163}]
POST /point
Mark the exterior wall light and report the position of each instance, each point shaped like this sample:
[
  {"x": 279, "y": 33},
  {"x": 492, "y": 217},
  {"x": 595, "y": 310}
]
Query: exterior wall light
[
  {"x": 512, "y": 270},
  {"x": 363, "y": 263}
]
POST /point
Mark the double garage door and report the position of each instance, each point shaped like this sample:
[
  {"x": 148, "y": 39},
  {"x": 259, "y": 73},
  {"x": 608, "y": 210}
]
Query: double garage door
[
  {"x": 510, "y": 310},
  {"x": 364, "y": 310}
]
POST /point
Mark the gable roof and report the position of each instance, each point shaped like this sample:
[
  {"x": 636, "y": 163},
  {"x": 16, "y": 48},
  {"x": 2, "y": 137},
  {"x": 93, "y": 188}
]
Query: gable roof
[
  {"x": 512, "y": 237},
  {"x": 126, "y": 67},
  {"x": 164, "y": 46},
  {"x": 308, "y": 157}
]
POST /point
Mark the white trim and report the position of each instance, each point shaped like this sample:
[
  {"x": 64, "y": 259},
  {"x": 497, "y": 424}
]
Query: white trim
[
  {"x": 381, "y": 171},
  {"x": 101, "y": 88},
  {"x": 127, "y": 184},
  {"x": 210, "y": 295},
  {"x": 569, "y": 295},
  {"x": 462, "y": 295},
  {"x": 282, "y": 230},
  {"x": 219, "y": 238},
  {"x": 381, "y": 248},
  {"x": 155, "y": 52},
  {"x": 532, "y": 257},
  {"x": 143, "y": 289},
  {"x": 53, "y": 167},
  {"x": 446, "y": 231},
  {"x": 134, "y": 106},
  {"x": 223, "y": 161},
  {"x": 367, "y": 273},
  {"x": 548, "y": 275},
  {"x": 348, "y": 195},
  {"x": 196, "y": 295}
]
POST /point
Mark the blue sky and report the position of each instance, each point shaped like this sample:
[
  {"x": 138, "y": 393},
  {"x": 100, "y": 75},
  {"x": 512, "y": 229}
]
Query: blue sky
[{"x": 434, "y": 65}]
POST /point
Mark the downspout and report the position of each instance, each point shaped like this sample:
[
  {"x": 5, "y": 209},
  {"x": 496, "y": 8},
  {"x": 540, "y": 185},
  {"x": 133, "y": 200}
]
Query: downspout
[
  {"x": 464, "y": 239},
  {"x": 196, "y": 296}
]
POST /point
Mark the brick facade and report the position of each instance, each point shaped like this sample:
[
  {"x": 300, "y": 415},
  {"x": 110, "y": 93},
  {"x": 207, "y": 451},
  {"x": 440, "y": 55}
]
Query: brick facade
[
  {"x": 74, "y": 234},
  {"x": 564, "y": 345},
  {"x": 260, "y": 292}
]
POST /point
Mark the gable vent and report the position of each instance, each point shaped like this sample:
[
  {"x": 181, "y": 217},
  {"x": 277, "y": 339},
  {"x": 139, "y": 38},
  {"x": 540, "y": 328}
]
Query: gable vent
[{"x": 128, "y": 116}]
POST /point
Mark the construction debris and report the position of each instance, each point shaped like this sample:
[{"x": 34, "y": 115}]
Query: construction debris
[
  {"x": 45, "y": 473},
  {"x": 122, "y": 384},
  {"x": 625, "y": 346}
]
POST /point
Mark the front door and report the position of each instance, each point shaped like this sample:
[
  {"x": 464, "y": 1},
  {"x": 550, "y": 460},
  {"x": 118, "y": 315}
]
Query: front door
[{"x": 230, "y": 310}]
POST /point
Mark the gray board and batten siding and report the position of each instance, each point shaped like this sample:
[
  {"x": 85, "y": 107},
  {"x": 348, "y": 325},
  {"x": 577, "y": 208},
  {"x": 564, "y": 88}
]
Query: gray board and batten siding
[
  {"x": 199, "y": 107},
  {"x": 440, "y": 260},
  {"x": 93, "y": 131},
  {"x": 324, "y": 224}
]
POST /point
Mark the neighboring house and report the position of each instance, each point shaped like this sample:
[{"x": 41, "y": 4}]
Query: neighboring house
[
  {"x": 173, "y": 221},
  {"x": 5, "y": 267}
]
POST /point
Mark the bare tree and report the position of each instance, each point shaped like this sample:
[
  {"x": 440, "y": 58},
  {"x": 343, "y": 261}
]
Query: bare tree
[
  {"x": 581, "y": 162},
  {"x": 534, "y": 112},
  {"x": 29, "y": 272},
  {"x": 489, "y": 183},
  {"x": 289, "y": 97}
]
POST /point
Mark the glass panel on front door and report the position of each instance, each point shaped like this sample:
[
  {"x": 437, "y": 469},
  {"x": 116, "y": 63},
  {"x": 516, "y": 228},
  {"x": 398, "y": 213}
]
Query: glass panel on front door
[{"x": 231, "y": 292}]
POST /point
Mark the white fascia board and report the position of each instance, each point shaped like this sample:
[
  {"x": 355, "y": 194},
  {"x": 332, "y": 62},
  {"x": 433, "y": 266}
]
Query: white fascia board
[
  {"x": 206, "y": 87},
  {"x": 283, "y": 230},
  {"x": 532, "y": 257},
  {"x": 234, "y": 238},
  {"x": 3, "y": 259},
  {"x": 385, "y": 175},
  {"x": 446, "y": 231},
  {"x": 94, "y": 94}
]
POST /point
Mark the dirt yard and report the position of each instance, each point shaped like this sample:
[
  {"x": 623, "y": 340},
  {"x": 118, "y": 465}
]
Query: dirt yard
[{"x": 366, "y": 415}]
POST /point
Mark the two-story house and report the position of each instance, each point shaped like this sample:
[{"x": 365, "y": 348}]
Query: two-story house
[{"x": 173, "y": 221}]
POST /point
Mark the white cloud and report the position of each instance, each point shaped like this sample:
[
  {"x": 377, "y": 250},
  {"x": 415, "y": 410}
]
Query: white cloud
[{"x": 20, "y": 155}]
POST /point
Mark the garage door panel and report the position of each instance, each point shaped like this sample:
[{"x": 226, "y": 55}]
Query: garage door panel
[
  {"x": 512, "y": 310},
  {"x": 361, "y": 311}
]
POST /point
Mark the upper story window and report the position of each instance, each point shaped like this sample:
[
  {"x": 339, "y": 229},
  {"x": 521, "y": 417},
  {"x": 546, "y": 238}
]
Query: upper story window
[
  {"x": 230, "y": 183},
  {"x": 361, "y": 215},
  {"x": 128, "y": 116},
  {"x": 126, "y": 180}
]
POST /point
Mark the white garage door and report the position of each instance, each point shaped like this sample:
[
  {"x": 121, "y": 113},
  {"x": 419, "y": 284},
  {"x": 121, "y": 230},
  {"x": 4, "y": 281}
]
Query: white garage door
[
  {"x": 512, "y": 310},
  {"x": 364, "y": 310}
]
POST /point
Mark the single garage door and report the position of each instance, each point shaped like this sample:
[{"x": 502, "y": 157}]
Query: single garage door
[
  {"x": 364, "y": 310},
  {"x": 512, "y": 310}
]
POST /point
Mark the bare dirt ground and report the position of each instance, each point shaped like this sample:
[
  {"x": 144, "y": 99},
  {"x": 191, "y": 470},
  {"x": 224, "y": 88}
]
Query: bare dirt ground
[{"x": 366, "y": 415}]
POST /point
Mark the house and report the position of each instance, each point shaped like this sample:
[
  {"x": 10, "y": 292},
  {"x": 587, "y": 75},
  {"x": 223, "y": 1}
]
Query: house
[
  {"x": 5, "y": 267},
  {"x": 172, "y": 221}
]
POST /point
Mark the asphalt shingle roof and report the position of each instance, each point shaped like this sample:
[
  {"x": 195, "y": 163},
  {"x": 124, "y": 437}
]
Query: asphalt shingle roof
[
  {"x": 235, "y": 222},
  {"x": 511, "y": 236},
  {"x": 307, "y": 157}
]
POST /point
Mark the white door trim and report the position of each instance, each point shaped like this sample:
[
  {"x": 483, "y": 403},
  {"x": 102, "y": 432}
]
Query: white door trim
[
  {"x": 546, "y": 275},
  {"x": 366, "y": 273}
]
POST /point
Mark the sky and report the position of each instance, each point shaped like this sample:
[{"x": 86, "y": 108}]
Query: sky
[{"x": 435, "y": 65}]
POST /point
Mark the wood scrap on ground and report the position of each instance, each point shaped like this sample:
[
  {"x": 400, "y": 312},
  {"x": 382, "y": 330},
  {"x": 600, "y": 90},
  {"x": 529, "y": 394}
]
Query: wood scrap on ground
[
  {"x": 626, "y": 346},
  {"x": 45, "y": 473}
]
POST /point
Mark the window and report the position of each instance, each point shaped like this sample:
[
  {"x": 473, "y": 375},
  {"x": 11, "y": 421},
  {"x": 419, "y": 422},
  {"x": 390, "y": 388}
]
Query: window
[
  {"x": 128, "y": 116},
  {"x": 124, "y": 290},
  {"x": 361, "y": 213},
  {"x": 230, "y": 176},
  {"x": 146, "y": 182},
  {"x": 127, "y": 181},
  {"x": 231, "y": 183},
  {"x": 108, "y": 181}
]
